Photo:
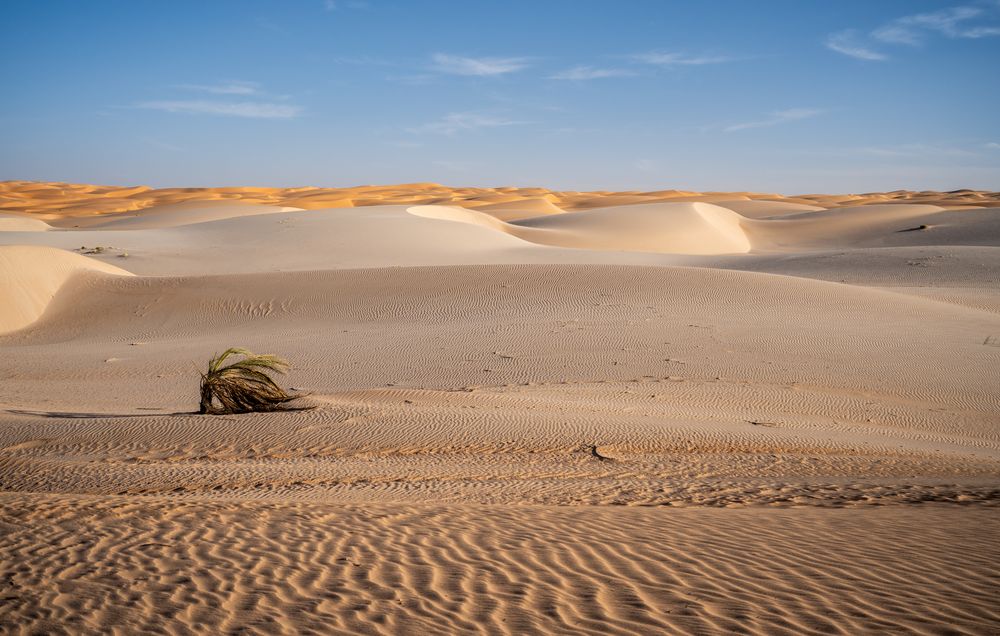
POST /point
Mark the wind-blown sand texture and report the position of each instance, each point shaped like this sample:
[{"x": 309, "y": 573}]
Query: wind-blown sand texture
[{"x": 534, "y": 411}]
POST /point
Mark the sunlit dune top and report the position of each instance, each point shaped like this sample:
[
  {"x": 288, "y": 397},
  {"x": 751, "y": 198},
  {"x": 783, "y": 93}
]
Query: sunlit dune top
[{"x": 56, "y": 200}]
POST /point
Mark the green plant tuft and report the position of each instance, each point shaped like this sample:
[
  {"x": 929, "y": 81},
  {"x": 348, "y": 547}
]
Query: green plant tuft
[{"x": 243, "y": 386}]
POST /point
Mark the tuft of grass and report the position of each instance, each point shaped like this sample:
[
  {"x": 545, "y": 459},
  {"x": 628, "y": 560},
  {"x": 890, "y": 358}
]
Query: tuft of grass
[{"x": 243, "y": 386}]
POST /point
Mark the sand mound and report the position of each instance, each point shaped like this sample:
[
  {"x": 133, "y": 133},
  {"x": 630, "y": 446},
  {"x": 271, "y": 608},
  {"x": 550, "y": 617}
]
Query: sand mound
[
  {"x": 855, "y": 225},
  {"x": 523, "y": 209},
  {"x": 17, "y": 223},
  {"x": 668, "y": 228},
  {"x": 174, "y": 215},
  {"x": 763, "y": 209},
  {"x": 30, "y": 277}
]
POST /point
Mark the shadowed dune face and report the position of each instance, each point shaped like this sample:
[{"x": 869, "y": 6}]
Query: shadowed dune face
[{"x": 31, "y": 276}]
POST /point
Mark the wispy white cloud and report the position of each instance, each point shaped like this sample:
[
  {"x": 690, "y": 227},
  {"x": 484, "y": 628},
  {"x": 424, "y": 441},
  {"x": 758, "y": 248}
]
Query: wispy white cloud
[
  {"x": 915, "y": 150},
  {"x": 581, "y": 73},
  {"x": 959, "y": 22},
  {"x": 992, "y": 145},
  {"x": 225, "y": 88},
  {"x": 847, "y": 42},
  {"x": 953, "y": 22},
  {"x": 662, "y": 58},
  {"x": 246, "y": 99},
  {"x": 453, "y": 123},
  {"x": 255, "y": 110},
  {"x": 477, "y": 66},
  {"x": 334, "y": 5},
  {"x": 646, "y": 165},
  {"x": 777, "y": 118}
]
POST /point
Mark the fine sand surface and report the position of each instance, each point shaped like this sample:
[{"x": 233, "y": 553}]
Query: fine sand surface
[{"x": 529, "y": 411}]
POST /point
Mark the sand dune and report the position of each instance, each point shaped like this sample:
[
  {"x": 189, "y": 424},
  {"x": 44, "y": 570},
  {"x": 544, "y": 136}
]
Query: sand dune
[
  {"x": 673, "y": 228},
  {"x": 58, "y": 200},
  {"x": 22, "y": 223},
  {"x": 521, "y": 209},
  {"x": 529, "y": 411},
  {"x": 170, "y": 215},
  {"x": 756, "y": 209},
  {"x": 31, "y": 276}
]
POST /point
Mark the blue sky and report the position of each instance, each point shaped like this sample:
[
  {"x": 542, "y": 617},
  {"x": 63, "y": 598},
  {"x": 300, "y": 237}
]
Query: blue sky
[{"x": 789, "y": 96}]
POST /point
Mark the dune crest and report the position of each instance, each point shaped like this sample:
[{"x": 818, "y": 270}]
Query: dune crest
[
  {"x": 19, "y": 223},
  {"x": 71, "y": 200},
  {"x": 30, "y": 277},
  {"x": 668, "y": 228}
]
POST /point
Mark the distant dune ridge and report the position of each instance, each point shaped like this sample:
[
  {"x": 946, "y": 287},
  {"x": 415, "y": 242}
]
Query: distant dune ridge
[
  {"x": 67, "y": 199},
  {"x": 514, "y": 392}
]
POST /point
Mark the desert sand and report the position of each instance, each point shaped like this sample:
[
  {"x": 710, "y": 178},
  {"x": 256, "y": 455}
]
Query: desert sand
[{"x": 530, "y": 411}]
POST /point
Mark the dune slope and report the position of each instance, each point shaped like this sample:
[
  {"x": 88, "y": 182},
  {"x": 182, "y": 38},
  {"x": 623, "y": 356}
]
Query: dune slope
[
  {"x": 30, "y": 277},
  {"x": 673, "y": 228}
]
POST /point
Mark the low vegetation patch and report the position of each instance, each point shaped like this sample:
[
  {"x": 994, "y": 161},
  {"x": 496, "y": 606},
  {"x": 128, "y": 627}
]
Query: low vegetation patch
[{"x": 243, "y": 386}]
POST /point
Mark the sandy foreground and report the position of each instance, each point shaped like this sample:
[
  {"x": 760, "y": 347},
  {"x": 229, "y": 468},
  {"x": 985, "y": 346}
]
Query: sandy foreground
[{"x": 532, "y": 411}]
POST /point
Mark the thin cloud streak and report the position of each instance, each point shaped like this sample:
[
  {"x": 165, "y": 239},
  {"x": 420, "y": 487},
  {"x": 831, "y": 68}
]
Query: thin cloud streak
[
  {"x": 777, "y": 118},
  {"x": 582, "y": 73},
  {"x": 951, "y": 23},
  {"x": 661, "y": 58},
  {"x": 253, "y": 110},
  {"x": 225, "y": 88},
  {"x": 961, "y": 22},
  {"x": 846, "y": 42},
  {"x": 478, "y": 67},
  {"x": 334, "y": 5},
  {"x": 453, "y": 123}
]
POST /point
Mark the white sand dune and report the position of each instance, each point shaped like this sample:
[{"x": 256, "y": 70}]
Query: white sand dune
[
  {"x": 673, "y": 228},
  {"x": 172, "y": 215},
  {"x": 31, "y": 276},
  {"x": 530, "y": 411},
  {"x": 762, "y": 209},
  {"x": 521, "y": 209},
  {"x": 22, "y": 223}
]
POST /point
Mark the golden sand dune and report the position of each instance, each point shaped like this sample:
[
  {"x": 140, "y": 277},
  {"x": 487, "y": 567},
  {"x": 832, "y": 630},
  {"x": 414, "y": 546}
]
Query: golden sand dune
[
  {"x": 54, "y": 200},
  {"x": 528, "y": 410}
]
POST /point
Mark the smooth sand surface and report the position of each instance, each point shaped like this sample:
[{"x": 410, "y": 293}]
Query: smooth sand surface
[
  {"x": 30, "y": 277},
  {"x": 532, "y": 411}
]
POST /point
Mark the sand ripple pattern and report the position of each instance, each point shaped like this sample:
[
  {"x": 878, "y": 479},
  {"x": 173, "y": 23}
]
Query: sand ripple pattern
[{"x": 161, "y": 566}]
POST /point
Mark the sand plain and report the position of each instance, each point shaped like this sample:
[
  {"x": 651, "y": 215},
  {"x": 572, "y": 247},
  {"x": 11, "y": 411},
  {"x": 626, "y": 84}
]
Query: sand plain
[{"x": 532, "y": 411}]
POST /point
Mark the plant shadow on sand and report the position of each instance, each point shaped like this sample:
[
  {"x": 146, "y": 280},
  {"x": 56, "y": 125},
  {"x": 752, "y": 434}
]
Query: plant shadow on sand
[{"x": 83, "y": 415}]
